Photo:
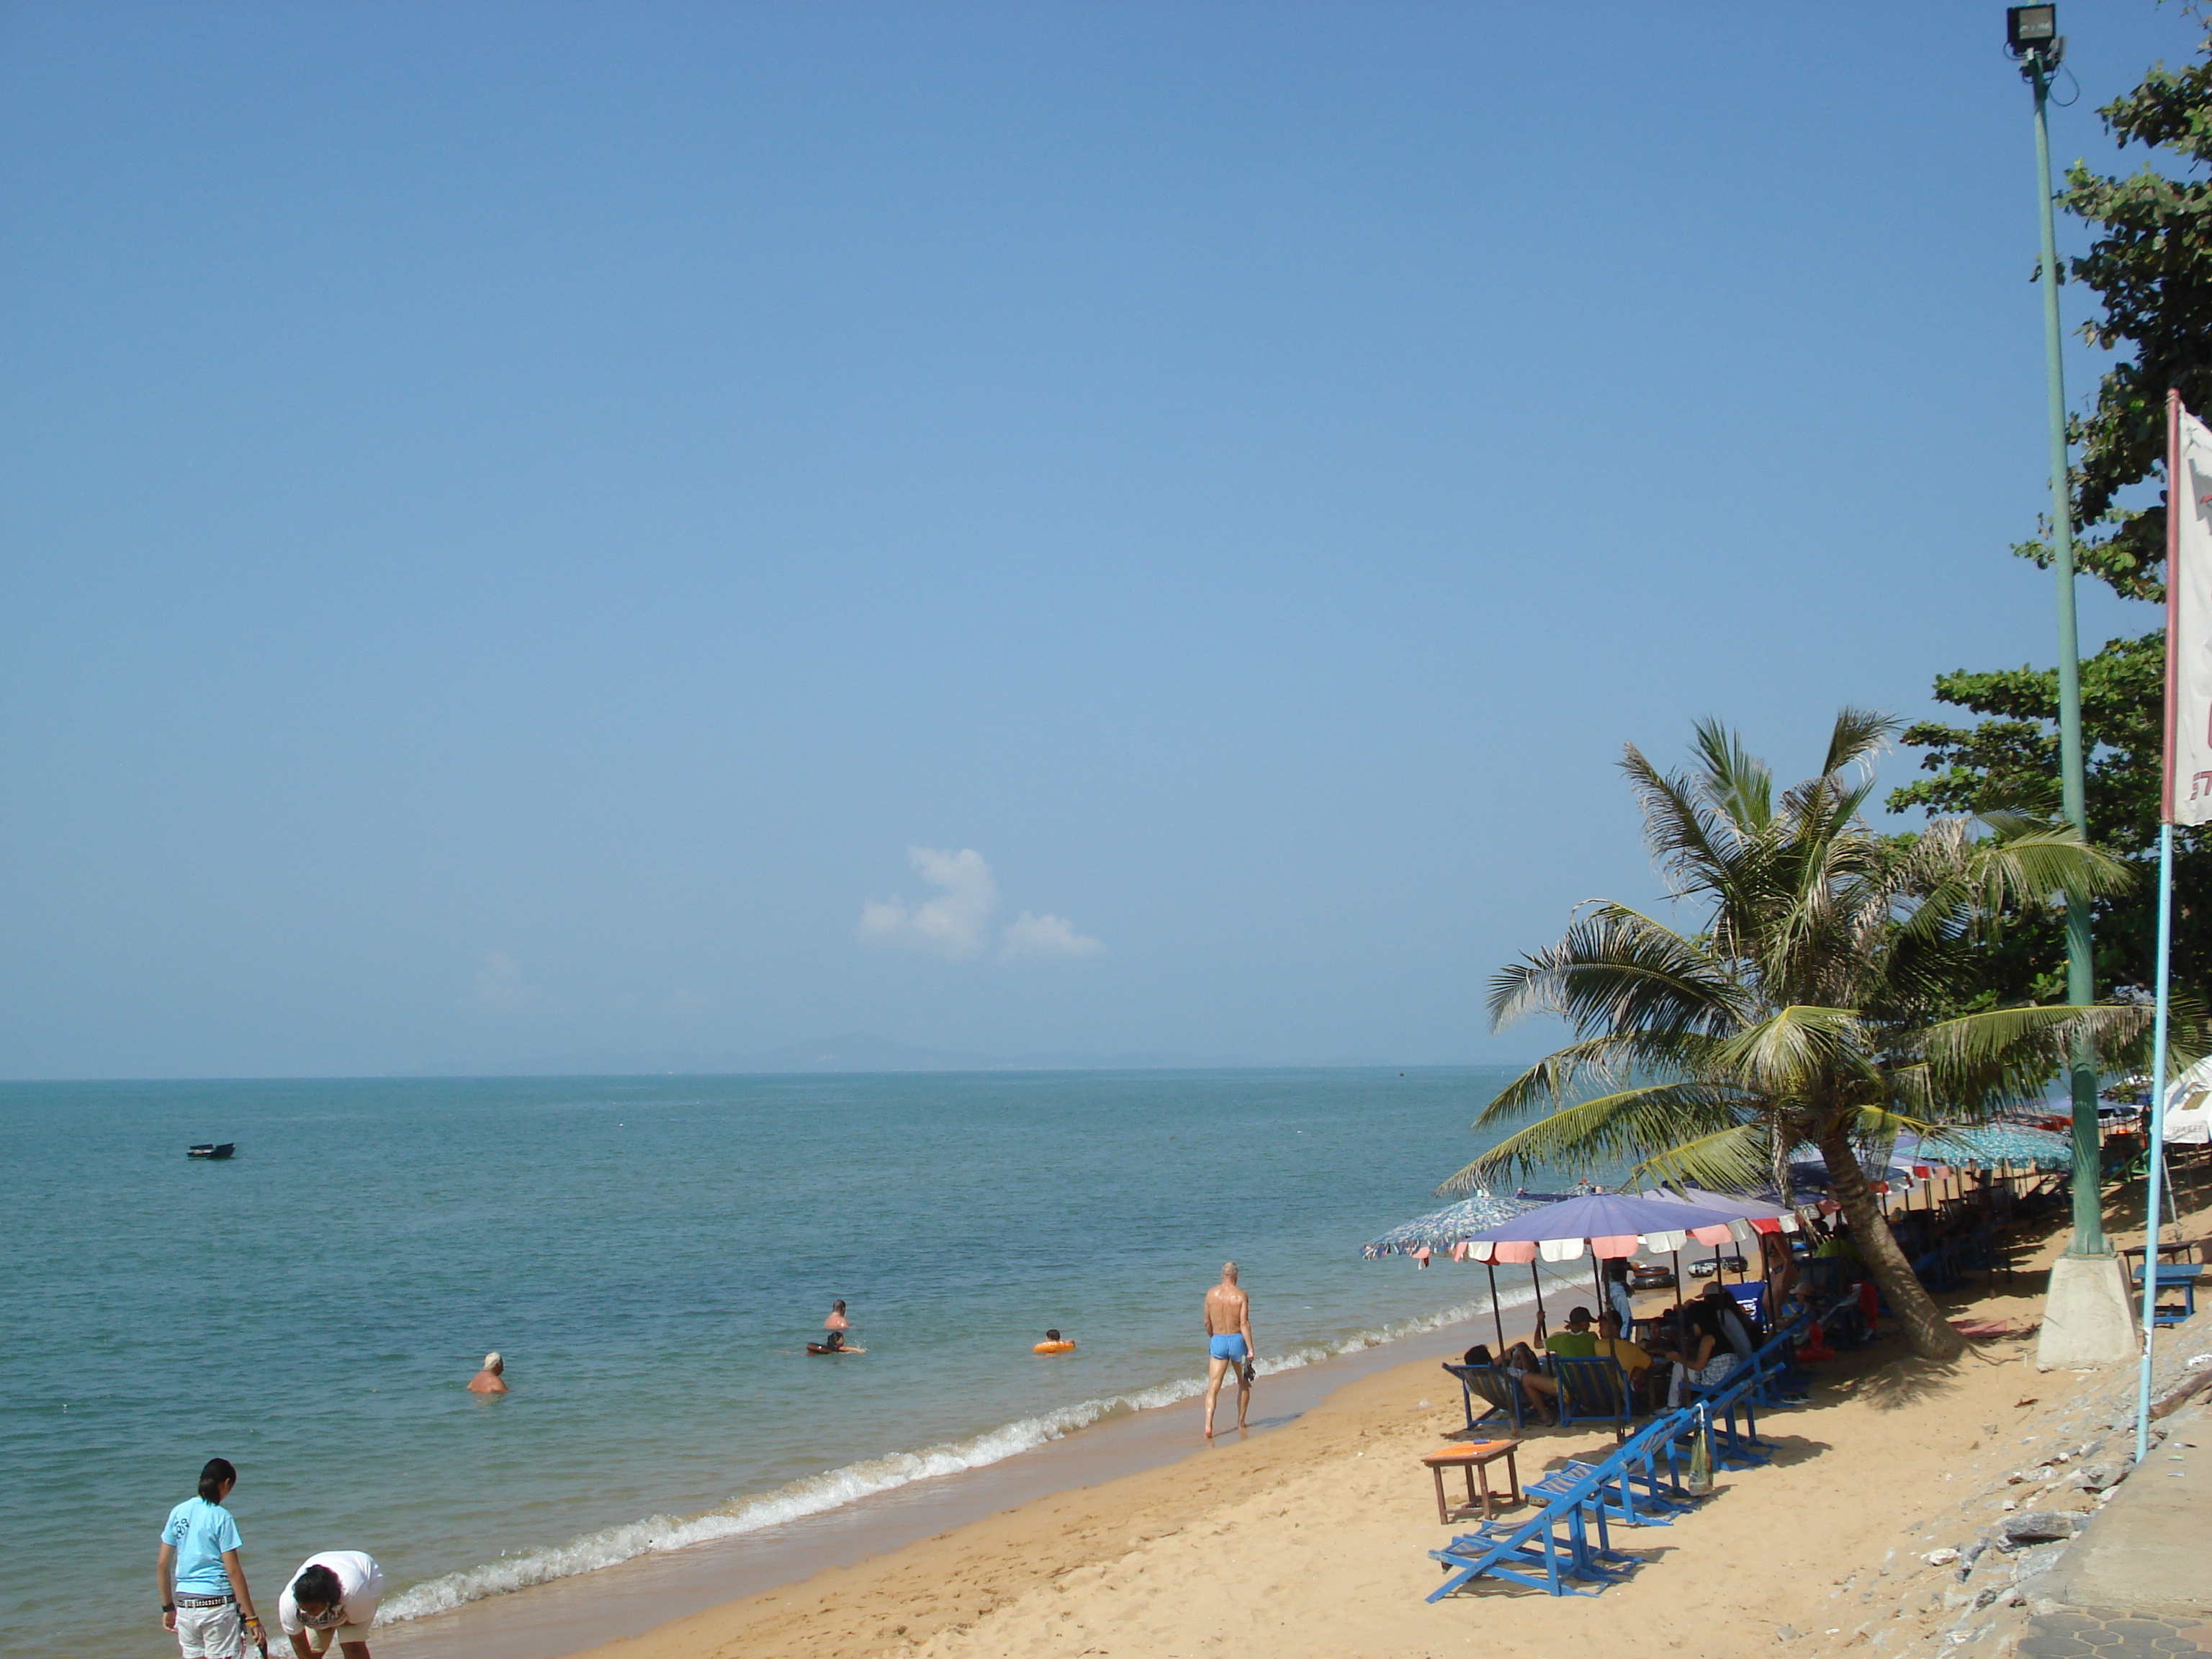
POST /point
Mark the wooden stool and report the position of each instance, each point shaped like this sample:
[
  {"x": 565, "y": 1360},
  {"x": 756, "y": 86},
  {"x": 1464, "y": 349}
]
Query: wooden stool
[{"x": 1474, "y": 1461}]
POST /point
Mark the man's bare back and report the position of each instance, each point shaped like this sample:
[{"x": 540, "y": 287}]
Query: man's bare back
[{"x": 1227, "y": 1311}]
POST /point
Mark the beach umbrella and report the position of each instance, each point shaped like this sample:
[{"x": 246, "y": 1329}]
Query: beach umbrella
[
  {"x": 1441, "y": 1230},
  {"x": 1603, "y": 1225},
  {"x": 1751, "y": 1217},
  {"x": 1986, "y": 1146}
]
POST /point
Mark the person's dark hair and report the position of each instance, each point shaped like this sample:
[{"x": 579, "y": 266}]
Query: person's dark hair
[
  {"x": 1052, "y": 1336},
  {"x": 317, "y": 1586},
  {"x": 217, "y": 1471},
  {"x": 1477, "y": 1355},
  {"x": 838, "y": 1306},
  {"x": 836, "y": 1339}
]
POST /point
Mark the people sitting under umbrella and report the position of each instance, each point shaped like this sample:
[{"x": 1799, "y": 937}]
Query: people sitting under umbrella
[
  {"x": 1704, "y": 1357},
  {"x": 1612, "y": 1345},
  {"x": 1577, "y": 1341}
]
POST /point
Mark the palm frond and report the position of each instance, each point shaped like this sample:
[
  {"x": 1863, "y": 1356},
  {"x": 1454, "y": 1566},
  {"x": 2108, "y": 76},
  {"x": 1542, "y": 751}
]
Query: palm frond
[
  {"x": 1607, "y": 1060},
  {"x": 1618, "y": 970},
  {"x": 1629, "y": 1123},
  {"x": 1734, "y": 1160}
]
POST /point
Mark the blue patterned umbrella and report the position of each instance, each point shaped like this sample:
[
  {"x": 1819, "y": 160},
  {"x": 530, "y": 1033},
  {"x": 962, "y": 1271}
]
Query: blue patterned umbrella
[
  {"x": 1986, "y": 1145},
  {"x": 1440, "y": 1229}
]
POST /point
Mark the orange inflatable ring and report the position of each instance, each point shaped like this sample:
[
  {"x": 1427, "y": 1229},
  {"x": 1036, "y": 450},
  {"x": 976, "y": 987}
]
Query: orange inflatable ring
[{"x": 1054, "y": 1347}]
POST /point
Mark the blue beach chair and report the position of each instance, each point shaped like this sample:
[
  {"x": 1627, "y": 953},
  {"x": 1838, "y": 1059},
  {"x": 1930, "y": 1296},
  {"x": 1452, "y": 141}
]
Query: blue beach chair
[
  {"x": 1627, "y": 1485},
  {"x": 1593, "y": 1390},
  {"x": 1495, "y": 1387},
  {"x": 1543, "y": 1551},
  {"x": 1734, "y": 1446}
]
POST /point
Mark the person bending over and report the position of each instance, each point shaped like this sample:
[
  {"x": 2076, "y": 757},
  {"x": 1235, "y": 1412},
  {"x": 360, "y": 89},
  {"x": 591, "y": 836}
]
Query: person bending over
[{"x": 332, "y": 1602}]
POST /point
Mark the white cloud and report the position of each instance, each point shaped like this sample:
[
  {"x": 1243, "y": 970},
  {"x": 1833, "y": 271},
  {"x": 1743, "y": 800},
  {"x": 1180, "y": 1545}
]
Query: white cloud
[
  {"x": 958, "y": 923},
  {"x": 499, "y": 984},
  {"x": 1048, "y": 936}
]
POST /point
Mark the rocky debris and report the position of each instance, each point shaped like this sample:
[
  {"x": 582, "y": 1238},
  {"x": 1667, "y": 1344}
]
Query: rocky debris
[
  {"x": 2036, "y": 1527},
  {"x": 2101, "y": 1477},
  {"x": 1987, "y": 1586}
]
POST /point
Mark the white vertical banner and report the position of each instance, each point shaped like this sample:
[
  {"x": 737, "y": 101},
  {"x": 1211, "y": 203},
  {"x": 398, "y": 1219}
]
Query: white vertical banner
[{"x": 2189, "y": 623}]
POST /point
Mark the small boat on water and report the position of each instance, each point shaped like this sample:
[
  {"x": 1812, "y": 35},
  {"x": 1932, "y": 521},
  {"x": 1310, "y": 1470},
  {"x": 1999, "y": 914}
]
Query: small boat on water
[{"x": 212, "y": 1149}]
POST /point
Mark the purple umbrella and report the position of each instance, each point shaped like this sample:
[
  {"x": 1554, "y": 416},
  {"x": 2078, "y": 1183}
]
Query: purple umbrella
[{"x": 1606, "y": 1224}]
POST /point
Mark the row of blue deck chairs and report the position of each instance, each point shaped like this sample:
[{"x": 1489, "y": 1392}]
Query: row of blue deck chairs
[{"x": 1565, "y": 1539}]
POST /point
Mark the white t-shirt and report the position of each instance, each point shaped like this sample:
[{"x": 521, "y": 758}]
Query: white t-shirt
[{"x": 361, "y": 1586}]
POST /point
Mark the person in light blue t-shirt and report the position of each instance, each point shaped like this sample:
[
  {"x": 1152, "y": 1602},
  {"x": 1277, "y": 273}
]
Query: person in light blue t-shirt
[{"x": 204, "y": 1600}]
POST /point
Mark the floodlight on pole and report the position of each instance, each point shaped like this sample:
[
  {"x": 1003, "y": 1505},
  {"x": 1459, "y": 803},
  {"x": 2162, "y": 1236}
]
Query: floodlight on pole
[
  {"x": 2031, "y": 36},
  {"x": 2088, "y": 1316}
]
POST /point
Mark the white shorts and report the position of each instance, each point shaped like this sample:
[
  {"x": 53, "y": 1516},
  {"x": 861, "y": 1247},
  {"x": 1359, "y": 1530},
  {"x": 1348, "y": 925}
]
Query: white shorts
[
  {"x": 216, "y": 1632},
  {"x": 322, "y": 1641}
]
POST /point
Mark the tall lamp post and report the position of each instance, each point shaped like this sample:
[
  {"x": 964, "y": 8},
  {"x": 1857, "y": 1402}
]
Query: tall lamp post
[{"x": 2086, "y": 1286}]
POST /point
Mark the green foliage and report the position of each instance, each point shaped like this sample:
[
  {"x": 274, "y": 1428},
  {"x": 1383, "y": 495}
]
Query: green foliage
[
  {"x": 2010, "y": 761},
  {"x": 1818, "y": 1000}
]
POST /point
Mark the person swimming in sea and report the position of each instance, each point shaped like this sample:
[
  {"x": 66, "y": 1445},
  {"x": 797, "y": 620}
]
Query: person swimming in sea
[
  {"x": 1055, "y": 1343},
  {"x": 833, "y": 1342}
]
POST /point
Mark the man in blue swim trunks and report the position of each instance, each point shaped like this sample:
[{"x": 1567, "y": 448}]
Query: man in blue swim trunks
[{"x": 1229, "y": 1343}]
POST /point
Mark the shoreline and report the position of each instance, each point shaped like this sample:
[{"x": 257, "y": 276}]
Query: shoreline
[
  {"x": 1311, "y": 1533},
  {"x": 586, "y": 1610}
]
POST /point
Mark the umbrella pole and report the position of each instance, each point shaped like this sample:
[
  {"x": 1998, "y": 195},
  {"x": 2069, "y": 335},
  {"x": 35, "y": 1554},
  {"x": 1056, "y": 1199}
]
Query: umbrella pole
[
  {"x": 1536, "y": 1285},
  {"x": 1597, "y": 1309},
  {"x": 1495, "y": 1317}
]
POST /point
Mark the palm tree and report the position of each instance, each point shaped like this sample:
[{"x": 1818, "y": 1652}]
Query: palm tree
[{"x": 1818, "y": 1003}]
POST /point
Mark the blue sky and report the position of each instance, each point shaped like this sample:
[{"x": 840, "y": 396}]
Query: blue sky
[{"x": 544, "y": 529}]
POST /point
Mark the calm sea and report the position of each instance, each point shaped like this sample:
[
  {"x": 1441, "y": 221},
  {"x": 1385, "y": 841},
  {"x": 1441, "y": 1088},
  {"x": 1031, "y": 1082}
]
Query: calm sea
[{"x": 651, "y": 1254}]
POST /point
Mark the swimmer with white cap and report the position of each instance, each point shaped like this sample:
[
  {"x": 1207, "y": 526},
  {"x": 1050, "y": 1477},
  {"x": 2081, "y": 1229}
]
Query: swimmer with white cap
[{"x": 488, "y": 1381}]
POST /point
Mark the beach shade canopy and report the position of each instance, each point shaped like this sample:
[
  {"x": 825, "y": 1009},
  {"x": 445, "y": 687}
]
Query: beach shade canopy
[
  {"x": 1752, "y": 1215},
  {"x": 1986, "y": 1146},
  {"x": 1440, "y": 1229},
  {"x": 1606, "y": 1224},
  {"x": 2189, "y": 1106},
  {"x": 1883, "y": 1170}
]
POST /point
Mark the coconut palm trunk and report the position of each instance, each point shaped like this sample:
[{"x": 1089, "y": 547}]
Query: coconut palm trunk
[{"x": 1930, "y": 1334}]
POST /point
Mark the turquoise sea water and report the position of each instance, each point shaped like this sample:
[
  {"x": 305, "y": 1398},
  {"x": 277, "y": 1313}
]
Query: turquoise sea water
[{"x": 651, "y": 1254}]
